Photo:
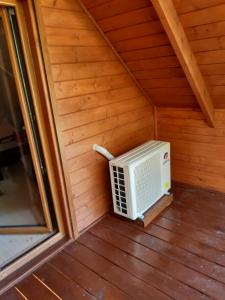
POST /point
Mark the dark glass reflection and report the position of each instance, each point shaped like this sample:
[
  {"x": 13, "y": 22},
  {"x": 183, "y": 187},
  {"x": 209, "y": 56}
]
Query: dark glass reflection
[{"x": 20, "y": 202}]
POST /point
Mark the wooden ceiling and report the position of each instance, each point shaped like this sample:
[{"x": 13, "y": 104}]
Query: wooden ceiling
[{"x": 135, "y": 31}]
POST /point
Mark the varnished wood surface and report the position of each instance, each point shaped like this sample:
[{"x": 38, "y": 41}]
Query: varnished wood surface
[
  {"x": 171, "y": 22},
  {"x": 135, "y": 31},
  {"x": 197, "y": 150},
  {"x": 95, "y": 100},
  {"x": 179, "y": 256}
]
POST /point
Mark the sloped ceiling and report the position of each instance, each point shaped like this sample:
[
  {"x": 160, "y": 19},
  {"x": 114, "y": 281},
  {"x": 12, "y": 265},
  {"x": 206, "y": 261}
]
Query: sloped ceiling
[{"x": 134, "y": 30}]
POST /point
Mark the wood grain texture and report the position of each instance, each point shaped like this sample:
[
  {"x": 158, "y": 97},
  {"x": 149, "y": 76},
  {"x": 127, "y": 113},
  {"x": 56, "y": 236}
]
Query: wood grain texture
[
  {"x": 32, "y": 287},
  {"x": 197, "y": 151},
  {"x": 65, "y": 287},
  {"x": 12, "y": 294},
  {"x": 136, "y": 33},
  {"x": 174, "y": 29},
  {"x": 89, "y": 280},
  {"x": 180, "y": 255},
  {"x": 130, "y": 284},
  {"x": 98, "y": 242},
  {"x": 205, "y": 29},
  {"x": 96, "y": 101},
  {"x": 159, "y": 254}
]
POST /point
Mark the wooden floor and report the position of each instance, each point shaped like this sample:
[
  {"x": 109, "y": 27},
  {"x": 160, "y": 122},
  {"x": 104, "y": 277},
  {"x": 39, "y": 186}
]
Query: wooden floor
[{"x": 180, "y": 256}]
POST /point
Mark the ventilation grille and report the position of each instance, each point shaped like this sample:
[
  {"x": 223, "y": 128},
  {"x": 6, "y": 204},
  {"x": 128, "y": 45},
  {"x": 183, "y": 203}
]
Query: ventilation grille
[
  {"x": 147, "y": 182},
  {"x": 119, "y": 187}
]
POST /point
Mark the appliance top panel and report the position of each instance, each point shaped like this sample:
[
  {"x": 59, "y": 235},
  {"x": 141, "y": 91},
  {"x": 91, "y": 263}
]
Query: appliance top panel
[{"x": 139, "y": 152}]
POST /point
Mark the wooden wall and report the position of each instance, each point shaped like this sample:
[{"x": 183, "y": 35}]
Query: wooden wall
[
  {"x": 96, "y": 102},
  {"x": 204, "y": 24},
  {"x": 198, "y": 151},
  {"x": 135, "y": 31}
]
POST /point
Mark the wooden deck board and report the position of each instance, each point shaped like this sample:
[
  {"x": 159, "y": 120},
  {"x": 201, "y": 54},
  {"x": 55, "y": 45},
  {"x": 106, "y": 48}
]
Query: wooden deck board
[
  {"x": 140, "y": 269},
  {"x": 33, "y": 288},
  {"x": 12, "y": 294},
  {"x": 65, "y": 287},
  {"x": 115, "y": 275},
  {"x": 180, "y": 255}
]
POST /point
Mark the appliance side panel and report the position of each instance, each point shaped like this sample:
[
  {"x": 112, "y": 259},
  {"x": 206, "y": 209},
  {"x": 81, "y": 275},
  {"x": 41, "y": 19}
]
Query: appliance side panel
[{"x": 166, "y": 170}]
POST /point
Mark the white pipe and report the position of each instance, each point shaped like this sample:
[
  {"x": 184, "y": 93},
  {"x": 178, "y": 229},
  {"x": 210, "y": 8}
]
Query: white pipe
[{"x": 103, "y": 151}]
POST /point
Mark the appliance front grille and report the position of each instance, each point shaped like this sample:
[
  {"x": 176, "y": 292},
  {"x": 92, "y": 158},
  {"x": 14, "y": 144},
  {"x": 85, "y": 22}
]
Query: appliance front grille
[
  {"x": 147, "y": 182},
  {"x": 119, "y": 188}
]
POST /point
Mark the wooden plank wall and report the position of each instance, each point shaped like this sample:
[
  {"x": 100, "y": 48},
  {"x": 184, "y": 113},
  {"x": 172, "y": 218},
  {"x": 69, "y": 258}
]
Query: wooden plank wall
[
  {"x": 197, "y": 150},
  {"x": 198, "y": 155},
  {"x": 204, "y": 24},
  {"x": 136, "y": 33},
  {"x": 96, "y": 101}
]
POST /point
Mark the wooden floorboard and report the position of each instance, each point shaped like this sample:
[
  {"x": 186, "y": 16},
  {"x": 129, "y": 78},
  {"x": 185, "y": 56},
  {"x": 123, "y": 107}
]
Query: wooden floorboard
[
  {"x": 32, "y": 287},
  {"x": 187, "y": 243},
  {"x": 180, "y": 255},
  {"x": 138, "y": 268},
  {"x": 129, "y": 241},
  {"x": 190, "y": 231},
  {"x": 117, "y": 276},
  {"x": 86, "y": 278},
  {"x": 12, "y": 294},
  {"x": 175, "y": 253},
  {"x": 62, "y": 285}
]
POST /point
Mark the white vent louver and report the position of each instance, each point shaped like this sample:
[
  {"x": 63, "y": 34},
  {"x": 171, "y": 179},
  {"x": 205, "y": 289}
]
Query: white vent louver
[
  {"x": 119, "y": 188},
  {"x": 140, "y": 178}
]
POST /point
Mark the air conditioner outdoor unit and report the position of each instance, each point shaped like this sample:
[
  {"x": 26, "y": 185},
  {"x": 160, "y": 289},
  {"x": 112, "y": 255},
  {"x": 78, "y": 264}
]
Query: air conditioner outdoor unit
[{"x": 140, "y": 178}]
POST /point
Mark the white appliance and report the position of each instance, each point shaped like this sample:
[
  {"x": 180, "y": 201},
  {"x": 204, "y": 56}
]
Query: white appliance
[{"x": 139, "y": 178}]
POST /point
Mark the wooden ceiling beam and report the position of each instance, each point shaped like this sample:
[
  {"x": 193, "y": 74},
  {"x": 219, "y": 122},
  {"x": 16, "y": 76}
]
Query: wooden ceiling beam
[{"x": 173, "y": 27}]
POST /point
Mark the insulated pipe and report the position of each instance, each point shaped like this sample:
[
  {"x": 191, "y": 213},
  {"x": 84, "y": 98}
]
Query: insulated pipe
[{"x": 103, "y": 151}]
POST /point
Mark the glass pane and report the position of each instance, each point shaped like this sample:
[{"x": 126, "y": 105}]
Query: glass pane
[{"x": 20, "y": 201}]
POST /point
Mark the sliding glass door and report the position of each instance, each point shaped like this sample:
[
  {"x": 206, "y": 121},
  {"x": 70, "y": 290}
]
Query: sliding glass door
[{"x": 25, "y": 194}]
